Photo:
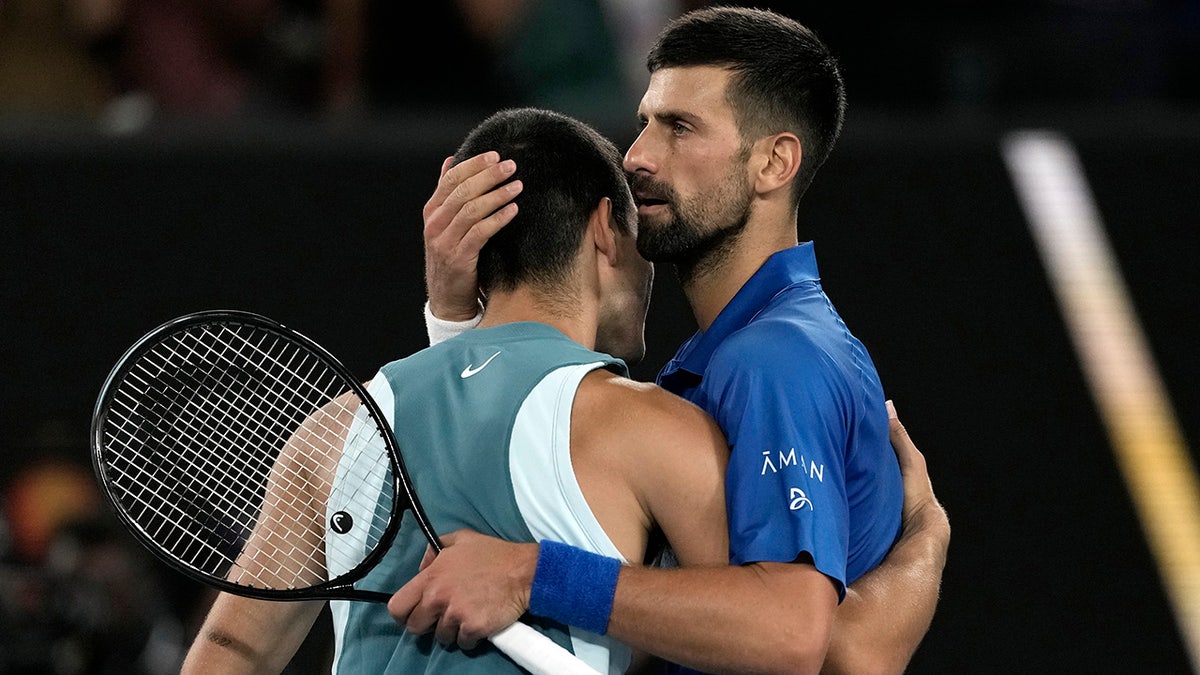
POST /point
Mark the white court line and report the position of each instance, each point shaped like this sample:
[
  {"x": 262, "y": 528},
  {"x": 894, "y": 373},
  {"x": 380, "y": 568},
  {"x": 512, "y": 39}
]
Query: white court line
[{"x": 1120, "y": 370}]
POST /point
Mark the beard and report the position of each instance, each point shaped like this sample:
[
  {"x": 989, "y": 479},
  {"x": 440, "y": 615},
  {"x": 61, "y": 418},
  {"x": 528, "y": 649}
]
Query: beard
[{"x": 701, "y": 232}]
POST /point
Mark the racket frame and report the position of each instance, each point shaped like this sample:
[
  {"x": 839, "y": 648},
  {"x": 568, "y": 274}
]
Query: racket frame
[{"x": 338, "y": 588}]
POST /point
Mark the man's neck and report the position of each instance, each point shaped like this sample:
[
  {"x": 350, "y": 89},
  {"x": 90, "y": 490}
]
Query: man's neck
[
  {"x": 711, "y": 287},
  {"x": 572, "y": 318}
]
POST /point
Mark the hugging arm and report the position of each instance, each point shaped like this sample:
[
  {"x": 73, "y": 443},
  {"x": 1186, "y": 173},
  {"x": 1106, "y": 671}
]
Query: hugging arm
[
  {"x": 887, "y": 611},
  {"x": 876, "y": 629},
  {"x": 248, "y": 635}
]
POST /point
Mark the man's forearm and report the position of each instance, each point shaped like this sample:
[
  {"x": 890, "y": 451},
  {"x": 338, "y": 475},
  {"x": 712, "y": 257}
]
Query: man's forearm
[
  {"x": 887, "y": 612},
  {"x": 752, "y": 619},
  {"x": 214, "y": 651}
]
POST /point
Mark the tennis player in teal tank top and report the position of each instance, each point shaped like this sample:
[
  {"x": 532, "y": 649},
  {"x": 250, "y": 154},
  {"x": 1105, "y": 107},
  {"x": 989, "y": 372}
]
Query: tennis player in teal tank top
[
  {"x": 527, "y": 429},
  {"x": 490, "y": 452}
]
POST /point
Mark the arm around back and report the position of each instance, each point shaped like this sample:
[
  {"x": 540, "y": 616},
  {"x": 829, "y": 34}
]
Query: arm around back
[
  {"x": 760, "y": 618},
  {"x": 644, "y": 458},
  {"x": 888, "y": 611}
]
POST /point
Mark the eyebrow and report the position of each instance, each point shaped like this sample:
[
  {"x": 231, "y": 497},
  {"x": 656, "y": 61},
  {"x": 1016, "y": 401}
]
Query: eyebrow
[{"x": 670, "y": 115}]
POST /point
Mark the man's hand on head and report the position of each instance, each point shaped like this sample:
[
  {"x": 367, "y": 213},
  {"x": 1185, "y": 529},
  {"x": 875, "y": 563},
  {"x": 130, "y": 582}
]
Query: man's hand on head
[{"x": 472, "y": 202}]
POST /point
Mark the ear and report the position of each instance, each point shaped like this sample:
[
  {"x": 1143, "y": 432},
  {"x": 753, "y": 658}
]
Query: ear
[
  {"x": 780, "y": 157},
  {"x": 600, "y": 230}
]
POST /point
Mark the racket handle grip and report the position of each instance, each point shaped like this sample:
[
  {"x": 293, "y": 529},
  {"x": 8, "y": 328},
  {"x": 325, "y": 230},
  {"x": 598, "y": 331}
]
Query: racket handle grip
[{"x": 537, "y": 653}]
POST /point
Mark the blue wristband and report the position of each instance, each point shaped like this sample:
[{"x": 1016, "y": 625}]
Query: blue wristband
[{"x": 574, "y": 586}]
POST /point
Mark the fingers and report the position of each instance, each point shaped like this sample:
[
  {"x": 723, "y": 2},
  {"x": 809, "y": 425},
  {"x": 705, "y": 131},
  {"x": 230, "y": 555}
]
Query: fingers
[
  {"x": 421, "y": 609},
  {"x": 423, "y": 605},
  {"x": 477, "y": 215},
  {"x": 476, "y": 586},
  {"x": 922, "y": 512},
  {"x": 907, "y": 454},
  {"x": 430, "y": 554},
  {"x": 452, "y": 175},
  {"x": 450, "y": 631},
  {"x": 403, "y": 603},
  {"x": 476, "y": 232},
  {"x": 467, "y": 194},
  {"x": 466, "y": 210}
]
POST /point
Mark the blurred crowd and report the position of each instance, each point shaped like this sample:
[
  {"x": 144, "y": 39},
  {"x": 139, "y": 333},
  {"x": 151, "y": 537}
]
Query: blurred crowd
[
  {"x": 135, "y": 59},
  {"x": 76, "y": 596},
  {"x": 132, "y": 60}
]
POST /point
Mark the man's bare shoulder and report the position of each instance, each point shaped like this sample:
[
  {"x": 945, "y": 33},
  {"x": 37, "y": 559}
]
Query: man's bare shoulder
[
  {"x": 626, "y": 409},
  {"x": 661, "y": 456},
  {"x": 605, "y": 388}
]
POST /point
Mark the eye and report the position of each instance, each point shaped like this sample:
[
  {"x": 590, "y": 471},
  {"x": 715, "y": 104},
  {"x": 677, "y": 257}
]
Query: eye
[{"x": 679, "y": 128}]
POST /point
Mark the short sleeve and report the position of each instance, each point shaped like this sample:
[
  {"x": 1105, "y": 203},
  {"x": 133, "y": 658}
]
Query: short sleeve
[{"x": 785, "y": 411}]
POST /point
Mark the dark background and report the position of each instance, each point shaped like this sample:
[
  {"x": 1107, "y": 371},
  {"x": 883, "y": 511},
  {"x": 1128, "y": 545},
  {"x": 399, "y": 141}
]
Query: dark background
[{"x": 920, "y": 239}]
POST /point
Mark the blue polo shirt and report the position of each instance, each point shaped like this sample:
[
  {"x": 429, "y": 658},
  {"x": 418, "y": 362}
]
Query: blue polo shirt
[{"x": 811, "y": 469}]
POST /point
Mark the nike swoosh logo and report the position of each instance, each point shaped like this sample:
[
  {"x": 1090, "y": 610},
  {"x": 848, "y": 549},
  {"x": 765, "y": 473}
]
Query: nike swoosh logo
[{"x": 469, "y": 370}]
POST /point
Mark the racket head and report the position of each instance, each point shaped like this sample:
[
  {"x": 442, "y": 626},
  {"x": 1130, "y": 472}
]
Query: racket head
[{"x": 242, "y": 454}]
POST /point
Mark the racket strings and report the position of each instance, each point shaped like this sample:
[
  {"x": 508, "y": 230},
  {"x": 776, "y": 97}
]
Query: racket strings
[
  {"x": 253, "y": 432},
  {"x": 201, "y": 449},
  {"x": 243, "y": 428},
  {"x": 193, "y": 439},
  {"x": 234, "y": 403},
  {"x": 146, "y": 483},
  {"x": 286, "y": 515},
  {"x": 336, "y": 437},
  {"x": 368, "y": 468}
]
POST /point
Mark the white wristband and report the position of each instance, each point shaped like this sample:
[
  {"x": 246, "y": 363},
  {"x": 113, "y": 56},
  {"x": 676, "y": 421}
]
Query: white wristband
[{"x": 440, "y": 330}]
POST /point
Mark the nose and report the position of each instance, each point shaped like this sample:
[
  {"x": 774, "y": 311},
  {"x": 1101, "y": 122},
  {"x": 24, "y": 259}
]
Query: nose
[{"x": 637, "y": 158}]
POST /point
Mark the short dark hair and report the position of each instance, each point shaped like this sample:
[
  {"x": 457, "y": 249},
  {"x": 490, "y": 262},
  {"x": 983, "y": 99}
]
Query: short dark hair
[
  {"x": 784, "y": 77},
  {"x": 566, "y": 168}
]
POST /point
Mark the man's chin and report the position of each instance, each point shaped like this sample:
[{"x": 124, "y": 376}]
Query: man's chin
[
  {"x": 634, "y": 356},
  {"x": 629, "y": 353}
]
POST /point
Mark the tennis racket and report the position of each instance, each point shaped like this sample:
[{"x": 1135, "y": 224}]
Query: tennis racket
[{"x": 247, "y": 457}]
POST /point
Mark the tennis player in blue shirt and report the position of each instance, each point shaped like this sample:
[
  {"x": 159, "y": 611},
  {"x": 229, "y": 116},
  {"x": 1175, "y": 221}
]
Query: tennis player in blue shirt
[
  {"x": 742, "y": 108},
  {"x": 812, "y": 473}
]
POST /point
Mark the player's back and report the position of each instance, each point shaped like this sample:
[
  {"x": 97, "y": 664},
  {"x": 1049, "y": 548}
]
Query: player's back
[{"x": 483, "y": 425}]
